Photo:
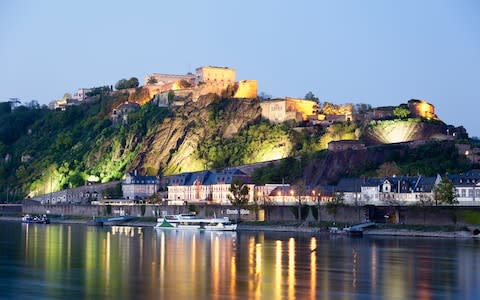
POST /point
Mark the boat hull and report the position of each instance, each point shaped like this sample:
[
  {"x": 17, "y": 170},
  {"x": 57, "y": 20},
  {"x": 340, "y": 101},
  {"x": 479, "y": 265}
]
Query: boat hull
[
  {"x": 190, "y": 223},
  {"x": 232, "y": 227}
]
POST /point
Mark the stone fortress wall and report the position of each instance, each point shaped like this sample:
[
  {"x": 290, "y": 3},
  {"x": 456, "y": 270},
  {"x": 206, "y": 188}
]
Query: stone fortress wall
[
  {"x": 281, "y": 110},
  {"x": 207, "y": 80},
  {"x": 422, "y": 109}
]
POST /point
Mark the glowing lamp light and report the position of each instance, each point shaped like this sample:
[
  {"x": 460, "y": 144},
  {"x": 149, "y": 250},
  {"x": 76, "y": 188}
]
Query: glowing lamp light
[{"x": 93, "y": 178}]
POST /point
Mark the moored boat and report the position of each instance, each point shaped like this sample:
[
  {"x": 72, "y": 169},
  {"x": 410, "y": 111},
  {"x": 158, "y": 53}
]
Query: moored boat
[
  {"x": 191, "y": 222},
  {"x": 35, "y": 219},
  {"x": 346, "y": 231}
]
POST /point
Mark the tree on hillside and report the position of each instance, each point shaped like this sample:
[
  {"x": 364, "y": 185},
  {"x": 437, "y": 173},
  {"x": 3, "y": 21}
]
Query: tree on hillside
[
  {"x": 5, "y": 108},
  {"x": 152, "y": 80},
  {"x": 133, "y": 82},
  {"x": 238, "y": 195},
  {"x": 264, "y": 96},
  {"x": 362, "y": 108},
  {"x": 401, "y": 112},
  {"x": 123, "y": 84},
  {"x": 311, "y": 96},
  {"x": 334, "y": 205},
  {"x": 444, "y": 192},
  {"x": 388, "y": 169}
]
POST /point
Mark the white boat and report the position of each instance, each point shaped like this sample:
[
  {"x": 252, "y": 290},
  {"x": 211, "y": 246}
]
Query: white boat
[{"x": 191, "y": 222}]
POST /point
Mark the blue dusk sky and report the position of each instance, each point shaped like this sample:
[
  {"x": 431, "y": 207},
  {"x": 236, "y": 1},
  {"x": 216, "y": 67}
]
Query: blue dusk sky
[{"x": 376, "y": 52}]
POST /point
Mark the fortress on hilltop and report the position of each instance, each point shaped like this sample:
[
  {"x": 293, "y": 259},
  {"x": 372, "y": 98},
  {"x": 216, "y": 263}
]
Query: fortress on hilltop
[{"x": 167, "y": 88}]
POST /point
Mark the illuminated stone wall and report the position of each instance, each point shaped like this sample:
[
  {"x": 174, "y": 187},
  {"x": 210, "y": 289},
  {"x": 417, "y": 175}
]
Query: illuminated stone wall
[
  {"x": 212, "y": 193},
  {"x": 338, "y": 146},
  {"x": 422, "y": 109},
  {"x": 281, "y": 110},
  {"x": 168, "y": 78},
  {"x": 222, "y": 75},
  {"x": 246, "y": 89}
]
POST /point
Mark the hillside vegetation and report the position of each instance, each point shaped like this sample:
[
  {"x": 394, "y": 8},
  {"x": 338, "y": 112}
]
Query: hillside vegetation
[{"x": 45, "y": 150}]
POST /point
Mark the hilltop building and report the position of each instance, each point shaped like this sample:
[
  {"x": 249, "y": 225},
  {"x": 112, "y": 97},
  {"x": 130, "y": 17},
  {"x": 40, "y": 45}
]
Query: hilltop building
[
  {"x": 206, "y": 80},
  {"x": 120, "y": 113},
  {"x": 81, "y": 94},
  {"x": 294, "y": 109},
  {"x": 215, "y": 75}
]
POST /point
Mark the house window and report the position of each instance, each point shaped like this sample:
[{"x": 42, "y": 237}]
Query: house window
[
  {"x": 463, "y": 192},
  {"x": 477, "y": 193},
  {"x": 470, "y": 193}
]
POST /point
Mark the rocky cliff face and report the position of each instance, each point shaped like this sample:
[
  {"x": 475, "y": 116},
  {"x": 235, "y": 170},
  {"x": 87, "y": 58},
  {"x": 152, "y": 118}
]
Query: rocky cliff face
[{"x": 171, "y": 147}]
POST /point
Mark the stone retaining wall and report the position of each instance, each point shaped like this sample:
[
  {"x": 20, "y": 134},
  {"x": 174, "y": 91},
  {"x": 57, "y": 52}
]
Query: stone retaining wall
[{"x": 404, "y": 215}]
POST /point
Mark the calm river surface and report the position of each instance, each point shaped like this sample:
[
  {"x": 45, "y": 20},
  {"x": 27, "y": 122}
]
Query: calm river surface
[{"x": 81, "y": 262}]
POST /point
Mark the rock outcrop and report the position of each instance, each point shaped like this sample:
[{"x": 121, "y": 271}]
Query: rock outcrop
[{"x": 171, "y": 147}]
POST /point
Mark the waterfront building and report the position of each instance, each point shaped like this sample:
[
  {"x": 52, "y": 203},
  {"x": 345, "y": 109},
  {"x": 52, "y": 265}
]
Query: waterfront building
[
  {"x": 467, "y": 187},
  {"x": 207, "y": 186},
  {"x": 398, "y": 190},
  {"x": 139, "y": 187}
]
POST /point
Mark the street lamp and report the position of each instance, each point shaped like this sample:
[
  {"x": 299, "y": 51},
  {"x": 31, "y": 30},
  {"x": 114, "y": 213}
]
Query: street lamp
[{"x": 313, "y": 193}]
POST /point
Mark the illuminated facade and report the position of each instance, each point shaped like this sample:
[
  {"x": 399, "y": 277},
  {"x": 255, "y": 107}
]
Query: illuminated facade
[
  {"x": 120, "y": 113},
  {"x": 139, "y": 187},
  {"x": 207, "y": 186},
  {"x": 467, "y": 187},
  {"x": 216, "y": 75},
  {"x": 281, "y": 110},
  {"x": 401, "y": 190},
  {"x": 422, "y": 109}
]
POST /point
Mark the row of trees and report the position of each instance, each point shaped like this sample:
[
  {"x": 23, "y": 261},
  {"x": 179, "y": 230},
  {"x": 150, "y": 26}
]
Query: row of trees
[{"x": 123, "y": 84}]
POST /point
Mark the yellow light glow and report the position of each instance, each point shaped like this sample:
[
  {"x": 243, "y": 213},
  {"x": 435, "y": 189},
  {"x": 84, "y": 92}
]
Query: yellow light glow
[
  {"x": 278, "y": 270},
  {"x": 313, "y": 268},
  {"x": 388, "y": 132},
  {"x": 291, "y": 268}
]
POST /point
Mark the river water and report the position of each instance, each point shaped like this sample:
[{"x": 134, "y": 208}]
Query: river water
[{"x": 81, "y": 262}]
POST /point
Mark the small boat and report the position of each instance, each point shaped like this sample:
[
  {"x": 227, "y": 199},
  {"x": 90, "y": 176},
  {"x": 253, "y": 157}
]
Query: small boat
[
  {"x": 191, "y": 222},
  {"x": 346, "y": 231},
  {"x": 35, "y": 219}
]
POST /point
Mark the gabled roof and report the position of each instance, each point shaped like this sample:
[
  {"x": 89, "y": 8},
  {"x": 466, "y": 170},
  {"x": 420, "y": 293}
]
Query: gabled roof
[
  {"x": 136, "y": 179},
  {"x": 349, "y": 185},
  {"x": 468, "y": 178},
  {"x": 408, "y": 184},
  {"x": 209, "y": 177}
]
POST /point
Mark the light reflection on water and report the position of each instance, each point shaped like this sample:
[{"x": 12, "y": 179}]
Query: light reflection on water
[{"x": 78, "y": 262}]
